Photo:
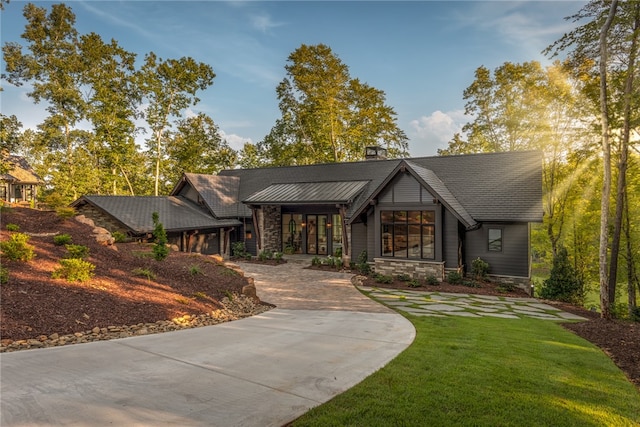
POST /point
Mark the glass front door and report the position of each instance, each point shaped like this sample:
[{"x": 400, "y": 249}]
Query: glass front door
[{"x": 317, "y": 242}]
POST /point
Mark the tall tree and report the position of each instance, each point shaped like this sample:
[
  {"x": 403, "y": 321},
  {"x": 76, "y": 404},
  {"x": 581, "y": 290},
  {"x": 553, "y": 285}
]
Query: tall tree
[
  {"x": 54, "y": 68},
  {"x": 9, "y": 138},
  {"x": 326, "y": 115},
  {"x": 196, "y": 146}
]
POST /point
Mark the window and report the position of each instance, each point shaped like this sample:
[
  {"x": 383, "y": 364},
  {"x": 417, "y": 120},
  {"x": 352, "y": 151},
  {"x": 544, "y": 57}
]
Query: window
[
  {"x": 495, "y": 240},
  {"x": 408, "y": 234}
]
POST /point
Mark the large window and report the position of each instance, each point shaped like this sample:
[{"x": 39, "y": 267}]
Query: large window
[{"x": 408, "y": 234}]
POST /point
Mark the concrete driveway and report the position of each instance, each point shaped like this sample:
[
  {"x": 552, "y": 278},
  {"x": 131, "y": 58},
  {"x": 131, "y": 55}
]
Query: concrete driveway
[{"x": 323, "y": 338}]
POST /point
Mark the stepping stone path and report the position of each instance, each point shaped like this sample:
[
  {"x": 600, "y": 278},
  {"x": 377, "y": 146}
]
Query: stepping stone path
[{"x": 442, "y": 304}]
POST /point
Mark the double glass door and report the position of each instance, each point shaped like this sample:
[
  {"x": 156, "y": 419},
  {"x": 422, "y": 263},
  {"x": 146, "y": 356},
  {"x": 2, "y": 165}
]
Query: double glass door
[{"x": 317, "y": 242}]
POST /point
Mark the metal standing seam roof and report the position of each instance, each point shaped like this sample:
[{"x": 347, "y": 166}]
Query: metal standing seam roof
[
  {"x": 308, "y": 193},
  {"x": 175, "y": 213}
]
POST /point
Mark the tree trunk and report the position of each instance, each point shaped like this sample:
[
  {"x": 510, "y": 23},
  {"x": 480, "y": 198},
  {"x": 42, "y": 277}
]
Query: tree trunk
[
  {"x": 605, "y": 302},
  {"x": 623, "y": 161},
  {"x": 632, "y": 278}
]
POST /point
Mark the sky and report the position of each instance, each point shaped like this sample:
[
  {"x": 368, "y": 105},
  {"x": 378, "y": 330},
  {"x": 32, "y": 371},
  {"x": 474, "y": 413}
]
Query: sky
[{"x": 421, "y": 54}]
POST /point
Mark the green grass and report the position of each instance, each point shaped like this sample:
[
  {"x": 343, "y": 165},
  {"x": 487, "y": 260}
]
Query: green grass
[{"x": 488, "y": 372}]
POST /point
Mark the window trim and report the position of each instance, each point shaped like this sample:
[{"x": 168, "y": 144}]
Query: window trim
[
  {"x": 426, "y": 222},
  {"x": 500, "y": 239}
]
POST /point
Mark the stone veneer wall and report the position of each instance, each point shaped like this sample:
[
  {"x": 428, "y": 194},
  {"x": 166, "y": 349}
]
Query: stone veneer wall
[
  {"x": 100, "y": 219},
  {"x": 415, "y": 269},
  {"x": 271, "y": 232}
]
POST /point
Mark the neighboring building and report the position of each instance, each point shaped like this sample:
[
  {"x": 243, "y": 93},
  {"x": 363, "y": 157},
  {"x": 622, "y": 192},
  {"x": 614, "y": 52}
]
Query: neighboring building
[
  {"x": 20, "y": 184},
  {"x": 421, "y": 216}
]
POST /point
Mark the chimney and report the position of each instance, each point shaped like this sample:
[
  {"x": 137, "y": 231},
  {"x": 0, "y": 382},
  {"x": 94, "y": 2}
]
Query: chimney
[{"x": 375, "y": 153}]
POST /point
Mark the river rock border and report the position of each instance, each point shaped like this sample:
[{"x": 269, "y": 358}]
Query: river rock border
[{"x": 238, "y": 307}]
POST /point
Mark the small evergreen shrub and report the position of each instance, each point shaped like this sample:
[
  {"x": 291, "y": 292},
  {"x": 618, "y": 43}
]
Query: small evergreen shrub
[
  {"x": 563, "y": 284},
  {"x": 65, "y": 212},
  {"x": 362, "y": 263},
  {"x": 479, "y": 269},
  {"x": 4, "y": 275},
  {"x": 432, "y": 280},
  {"x": 160, "y": 249},
  {"x": 77, "y": 251},
  {"x": 381, "y": 278},
  {"x": 454, "y": 278},
  {"x": 13, "y": 227},
  {"x": 403, "y": 277},
  {"x": 62, "y": 239},
  {"x": 74, "y": 270},
  {"x": 470, "y": 284},
  {"x": 119, "y": 237},
  {"x": 337, "y": 253},
  {"x": 414, "y": 283},
  {"x": 17, "y": 247},
  {"x": 238, "y": 250}
]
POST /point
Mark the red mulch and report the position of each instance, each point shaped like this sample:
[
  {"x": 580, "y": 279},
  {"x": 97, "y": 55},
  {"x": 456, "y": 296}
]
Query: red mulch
[{"x": 34, "y": 304}]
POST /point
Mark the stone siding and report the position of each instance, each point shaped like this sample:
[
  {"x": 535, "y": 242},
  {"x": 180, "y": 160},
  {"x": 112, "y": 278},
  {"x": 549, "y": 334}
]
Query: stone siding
[
  {"x": 271, "y": 228},
  {"x": 415, "y": 269},
  {"x": 101, "y": 219}
]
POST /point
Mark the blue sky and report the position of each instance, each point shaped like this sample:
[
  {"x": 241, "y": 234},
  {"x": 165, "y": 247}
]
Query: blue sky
[{"x": 422, "y": 54}]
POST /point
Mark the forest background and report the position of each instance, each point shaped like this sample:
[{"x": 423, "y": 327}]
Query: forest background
[{"x": 582, "y": 113}]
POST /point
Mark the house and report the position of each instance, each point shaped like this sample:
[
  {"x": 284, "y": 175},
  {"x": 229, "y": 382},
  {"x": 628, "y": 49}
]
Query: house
[
  {"x": 421, "y": 216},
  {"x": 20, "y": 183}
]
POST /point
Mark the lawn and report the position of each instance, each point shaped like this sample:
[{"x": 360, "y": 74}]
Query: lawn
[{"x": 488, "y": 372}]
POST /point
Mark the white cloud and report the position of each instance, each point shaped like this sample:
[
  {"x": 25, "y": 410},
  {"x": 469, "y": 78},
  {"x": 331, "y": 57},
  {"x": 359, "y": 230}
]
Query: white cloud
[
  {"x": 264, "y": 23},
  {"x": 235, "y": 141},
  {"x": 428, "y": 133}
]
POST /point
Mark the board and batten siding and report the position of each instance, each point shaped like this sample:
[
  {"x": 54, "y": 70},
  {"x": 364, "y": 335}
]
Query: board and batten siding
[
  {"x": 358, "y": 239},
  {"x": 450, "y": 244},
  {"x": 513, "y": 260}
]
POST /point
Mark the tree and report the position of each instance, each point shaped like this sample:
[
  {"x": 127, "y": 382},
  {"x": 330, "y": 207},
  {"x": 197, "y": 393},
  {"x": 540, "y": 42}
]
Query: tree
[
  {"x": 169, "y": 86},
  {"x": 54, "y": 68},
  {"x": 197, "y": 147},
  {"x": 563, "y": 284},
  {"x": 326, "y": 115},
  {"x": 9, "y": 139},
  {"x": 603, "y": 54},
  {"x": 160, "y": 249}
]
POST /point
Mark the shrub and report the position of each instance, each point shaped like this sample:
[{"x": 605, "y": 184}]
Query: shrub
[
  {"x": 315, "y": 261},
  {"x": 13, "y": 227},
  {"x": 65, "y": 212},
  {"x": 194, "y": 270},
  {"x": 414, "y": 283},
  {"x": 61, "y": 239},
  {"x": 119, "y": 237},
  {"x": 144, "y": 272},
  {"x": 454, "y": 277},
  {"x": 381, "y": 278},
  {"x": 403, "y": 277},
  {"x": 563, "y": 284},
  {"x": 265, "y": 255},
  {"x": 479, "y": 268},
  {"x": 4, "y": 275},
  {"x": 74, "y": 270},
  {"x": 470, "y": 283},
  {"x": 432, "y": 280},
  {"x": 363, "y": 264},
  {"x": 635, "y": 314},
  {"x": 17, "y": 247},
  {"x": 160, "y": 249},
  {"x": 278, "y": 256},
  {"x": 337, "y": 253},
  {"x": 77, "y": 251},
  {"x": 238, "y": 250}
]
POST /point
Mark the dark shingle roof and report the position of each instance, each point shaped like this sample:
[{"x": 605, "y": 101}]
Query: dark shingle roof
[
  {"x": 327, "y": 192},
  {"x": 135, "y": 212},
  {"x": 219, "y": 193},
  {"x": 20, "y": 171},
  {"x": 489, "y": 187}
]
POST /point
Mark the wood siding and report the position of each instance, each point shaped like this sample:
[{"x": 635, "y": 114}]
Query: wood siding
[
  {"x": 450, "y": 243},
  {"x": 358, "y": 239},
  {"x": 513, "y": 260}
]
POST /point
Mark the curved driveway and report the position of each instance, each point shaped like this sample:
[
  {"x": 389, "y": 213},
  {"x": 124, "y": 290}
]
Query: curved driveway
[{"x": 266, "y": 370}]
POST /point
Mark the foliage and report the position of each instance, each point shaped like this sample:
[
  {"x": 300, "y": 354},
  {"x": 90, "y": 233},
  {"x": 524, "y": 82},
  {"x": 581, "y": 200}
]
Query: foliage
[
  {"x": 403, "y": 277},
  {"x": 65, "y": 212},
  {"x": 17, "y": 247},
  {"x": 238, "y": 250},
  {"x": 62, "y": 239},
  {"x": 144, "y": 272},
  {"x": 160, "y": 249},
  {"x": 194, "y": 270},
  {"x": 119, "y": 237},
  {"x": 316, "y": 261},
  {"x": 13, "y": 227},
  {"x": 382, "y": 278},
  {"x": 338, "y": 252},
  {"x": 77, "y": 251},
  {"x": 278, "y": 256},
  {"x": 415, "y": 283},
  {"x": 74, "y": 270},
  {"x": 454, "y": 278},
  {"x": 362, "y": 263},
  {"x": 4, "y": 275},
  {"x": 563, "y": 284},
  {"x": 265, "y": 255},
  {"x": 432, "y": 280},
  {"x": 327, "y": 116},
  {"x": 479, "y": 269}
]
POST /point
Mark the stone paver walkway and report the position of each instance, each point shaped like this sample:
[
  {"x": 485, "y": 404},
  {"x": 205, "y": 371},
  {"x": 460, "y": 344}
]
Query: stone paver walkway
[{"x": 441, "y": 304}]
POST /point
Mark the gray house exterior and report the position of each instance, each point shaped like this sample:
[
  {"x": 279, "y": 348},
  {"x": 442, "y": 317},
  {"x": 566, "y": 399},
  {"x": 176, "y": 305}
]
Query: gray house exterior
[{"x": 421, "y": 216}]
